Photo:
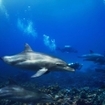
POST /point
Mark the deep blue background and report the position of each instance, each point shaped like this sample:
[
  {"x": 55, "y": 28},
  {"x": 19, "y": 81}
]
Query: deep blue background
[{"x": 79, "y": 23}]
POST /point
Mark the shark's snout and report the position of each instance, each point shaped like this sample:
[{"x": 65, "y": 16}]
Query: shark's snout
[
  {"x": 68, "y": 68},
  {"x": 64, "y": 66}
]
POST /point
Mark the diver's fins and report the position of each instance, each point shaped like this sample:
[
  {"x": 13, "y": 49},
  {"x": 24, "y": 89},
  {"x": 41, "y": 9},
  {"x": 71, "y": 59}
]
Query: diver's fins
[{"x": 40, "y": 72}]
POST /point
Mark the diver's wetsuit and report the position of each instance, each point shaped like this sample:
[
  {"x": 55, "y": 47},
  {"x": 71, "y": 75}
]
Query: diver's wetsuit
[{"x": 67, "y": 49}]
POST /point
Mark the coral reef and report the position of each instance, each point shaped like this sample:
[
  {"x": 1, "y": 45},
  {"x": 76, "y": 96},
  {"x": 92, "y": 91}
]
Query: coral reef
[{"x": 70, "y": 96}]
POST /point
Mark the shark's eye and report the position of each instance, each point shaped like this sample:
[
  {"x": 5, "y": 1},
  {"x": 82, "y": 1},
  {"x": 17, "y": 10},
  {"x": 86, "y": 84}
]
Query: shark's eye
[{"x": 58, "y": 64}]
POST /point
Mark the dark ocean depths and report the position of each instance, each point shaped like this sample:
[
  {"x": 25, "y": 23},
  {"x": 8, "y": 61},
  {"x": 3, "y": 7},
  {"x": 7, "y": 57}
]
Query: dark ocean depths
[{"x": 47, "y": 24}]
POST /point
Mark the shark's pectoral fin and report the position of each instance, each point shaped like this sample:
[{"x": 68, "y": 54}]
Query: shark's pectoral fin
[
  {"x": 47, "y": 72},
  {"x": 40, "y": 72}
]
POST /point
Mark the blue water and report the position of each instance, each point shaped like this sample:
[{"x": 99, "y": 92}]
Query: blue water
[{"x": 79, "y": 23}]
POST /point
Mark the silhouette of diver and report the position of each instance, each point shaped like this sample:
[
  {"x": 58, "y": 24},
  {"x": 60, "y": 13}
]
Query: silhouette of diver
[
  {"x": 67, "y": 49},
  {"x": 76, "y": 66}
]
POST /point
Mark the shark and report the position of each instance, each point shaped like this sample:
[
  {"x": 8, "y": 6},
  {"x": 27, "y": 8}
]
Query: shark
[
  {"x": 20, "y": 94},
  {"x": 94, "y": 57},
  {"x": 36, "y": 61}
]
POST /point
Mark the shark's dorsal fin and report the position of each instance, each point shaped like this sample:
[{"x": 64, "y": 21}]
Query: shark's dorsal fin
[
  {"x": 27, "y": 48},
  {"x": 91, "y": 51}
]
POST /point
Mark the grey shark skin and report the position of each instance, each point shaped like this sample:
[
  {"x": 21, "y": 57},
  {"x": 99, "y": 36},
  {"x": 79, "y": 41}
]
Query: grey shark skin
[
  {"x": 42, "y": 63},
  {"x": 95, "y": 57},
  {"x": 19, "y": 94}
]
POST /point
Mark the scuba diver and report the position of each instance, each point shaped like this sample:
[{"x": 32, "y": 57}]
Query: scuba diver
[
  {"x": 76, "y": 66},
  {"x": 67, "y": 49}
]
